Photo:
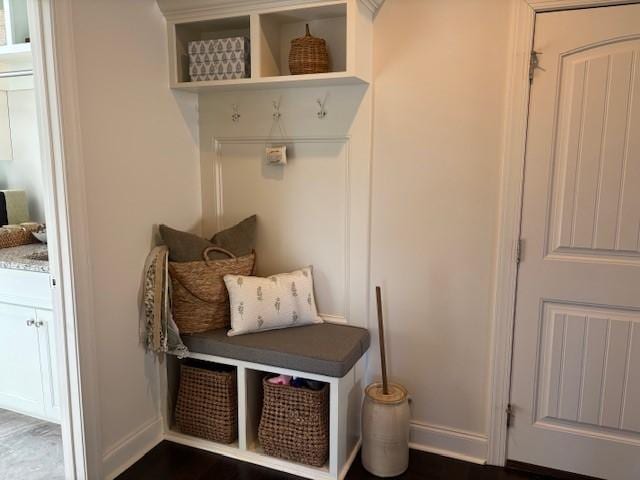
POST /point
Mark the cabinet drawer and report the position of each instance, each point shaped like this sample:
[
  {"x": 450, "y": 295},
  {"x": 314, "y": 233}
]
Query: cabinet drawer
[{"x": 25, "y": 288}]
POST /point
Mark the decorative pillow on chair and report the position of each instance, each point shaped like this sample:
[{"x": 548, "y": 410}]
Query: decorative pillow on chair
[
  {"x": 187, "y": 247},
  {"x": 279, "y": 301}
]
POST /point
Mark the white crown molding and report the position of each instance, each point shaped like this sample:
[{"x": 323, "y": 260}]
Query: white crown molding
[
  {"x": 551, "y": 5},
  {"x": 373, "y": 5},
  {"x": 186, "y": 10}
]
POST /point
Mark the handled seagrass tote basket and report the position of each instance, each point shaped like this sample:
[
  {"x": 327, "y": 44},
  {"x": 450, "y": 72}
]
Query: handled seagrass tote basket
[{"x": 200, "y": 300}]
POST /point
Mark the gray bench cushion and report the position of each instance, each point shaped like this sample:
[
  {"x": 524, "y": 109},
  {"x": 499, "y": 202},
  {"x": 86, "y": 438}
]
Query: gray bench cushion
[{"x": 324, "y": 349}]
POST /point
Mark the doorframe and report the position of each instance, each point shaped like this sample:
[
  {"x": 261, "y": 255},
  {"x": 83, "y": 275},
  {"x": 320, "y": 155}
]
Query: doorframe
[
  {"x": 523, "y": 17},
  {"x": 55, "y": 87}
]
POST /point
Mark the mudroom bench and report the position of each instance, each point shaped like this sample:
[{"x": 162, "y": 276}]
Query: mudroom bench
[{"x": 329, "y": 353}]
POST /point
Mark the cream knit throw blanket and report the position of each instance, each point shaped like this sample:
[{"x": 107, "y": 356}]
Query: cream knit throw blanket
[{"x": 159, "y": 331}]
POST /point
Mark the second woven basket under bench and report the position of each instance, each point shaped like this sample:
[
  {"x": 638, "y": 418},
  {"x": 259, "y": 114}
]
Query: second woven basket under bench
[{"x": 295, "y": 423}]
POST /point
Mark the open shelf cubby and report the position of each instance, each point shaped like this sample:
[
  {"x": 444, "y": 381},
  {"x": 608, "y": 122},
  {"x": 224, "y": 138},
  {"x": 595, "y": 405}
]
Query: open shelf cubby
[
  {"x": 279, "y": 28},
  {"x": 174, "y": 365},
  {"x": 205, "y": 30},
  {"x": 345, "y": 25}
]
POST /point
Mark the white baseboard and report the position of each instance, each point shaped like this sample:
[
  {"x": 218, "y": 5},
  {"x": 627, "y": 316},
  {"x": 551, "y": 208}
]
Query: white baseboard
[
  {"x": 458, "y": 444},
  {"x": 461, "y": 445},
  {"x": 132, "y": 448}
]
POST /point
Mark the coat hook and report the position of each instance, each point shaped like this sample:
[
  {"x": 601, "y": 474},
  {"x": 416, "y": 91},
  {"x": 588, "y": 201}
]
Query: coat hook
[
  {"x": 276, "y": 111},
  {"x": 235, "y": 117},
  {"x": 322, "y": 112}
]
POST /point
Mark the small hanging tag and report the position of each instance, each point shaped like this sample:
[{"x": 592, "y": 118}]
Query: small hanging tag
[{"x": 276, "y": 155}]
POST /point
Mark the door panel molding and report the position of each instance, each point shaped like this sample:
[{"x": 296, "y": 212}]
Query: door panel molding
[
  {"x": 523, "y": 16},
  {"x": 583, "y": 342},
  {"x": 580, "y": 225}
]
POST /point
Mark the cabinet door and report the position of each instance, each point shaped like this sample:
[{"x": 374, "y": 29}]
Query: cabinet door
[
  {"x": 48, "y": 363},
  {"x": 20, "y": 372}
]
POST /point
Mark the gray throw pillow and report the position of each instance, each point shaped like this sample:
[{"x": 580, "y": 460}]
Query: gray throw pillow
[
  {"x": 239, "y": 239},
  {"x": 187, "y": 247}
]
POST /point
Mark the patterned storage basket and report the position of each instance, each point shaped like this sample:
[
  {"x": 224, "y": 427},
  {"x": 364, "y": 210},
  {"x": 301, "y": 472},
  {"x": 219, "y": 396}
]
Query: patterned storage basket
[
  {"x": 199, "y": 296},
  {"x": 207, "y": 405},
  {"x": 295, "y": 423},
  {"x": 308, "y": 54}
]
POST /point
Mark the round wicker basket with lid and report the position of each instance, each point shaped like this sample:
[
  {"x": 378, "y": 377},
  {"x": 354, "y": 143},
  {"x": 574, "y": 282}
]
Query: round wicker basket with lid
[{"x": 308, "y": 54}]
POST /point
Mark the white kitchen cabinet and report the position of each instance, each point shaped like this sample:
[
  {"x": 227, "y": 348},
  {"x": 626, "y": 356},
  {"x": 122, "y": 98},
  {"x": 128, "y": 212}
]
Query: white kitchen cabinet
[
  {"x": 21, "y": 376},
  {"x": 28, "y": 376}
]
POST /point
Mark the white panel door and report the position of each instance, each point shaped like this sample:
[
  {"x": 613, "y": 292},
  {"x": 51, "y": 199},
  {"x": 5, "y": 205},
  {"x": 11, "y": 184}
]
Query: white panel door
[
  {"x": 20, "y": 375},
  {"x": 576, "y": 366}
]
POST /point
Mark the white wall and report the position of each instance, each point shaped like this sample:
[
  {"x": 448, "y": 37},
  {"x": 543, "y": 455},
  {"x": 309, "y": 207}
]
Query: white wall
[
  {"x": 440, "y": 69},
  {"x": 25, "y": 170},
  {"x": 440, "y": 72},
  {"x": 139, "y": 142},
  {"x": 312, "y": 211}
]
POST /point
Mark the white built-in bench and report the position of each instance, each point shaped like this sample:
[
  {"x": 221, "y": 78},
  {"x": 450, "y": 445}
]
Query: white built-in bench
[{"x": 326, "y": 352}]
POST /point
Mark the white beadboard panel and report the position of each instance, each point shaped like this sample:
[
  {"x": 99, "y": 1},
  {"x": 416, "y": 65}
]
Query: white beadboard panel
[
  {"x": 593, "y": 369},
  {"x": 302, "y": 208},
  {"x": 589, "y": 366},
  {"x": 595, "y": 200},
  {"x": 613, "y": 390},
  {"x": 571, "y": 369},
  {"x": 631, "y": 406}
]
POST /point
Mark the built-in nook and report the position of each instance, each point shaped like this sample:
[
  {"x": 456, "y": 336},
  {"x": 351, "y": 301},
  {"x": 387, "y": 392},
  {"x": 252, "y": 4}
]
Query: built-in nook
[{"x": 312, "y": 211}]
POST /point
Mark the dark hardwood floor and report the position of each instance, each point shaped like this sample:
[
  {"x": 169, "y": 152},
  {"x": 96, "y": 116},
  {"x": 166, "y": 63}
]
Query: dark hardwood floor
[{"x": 170, "y": 461}]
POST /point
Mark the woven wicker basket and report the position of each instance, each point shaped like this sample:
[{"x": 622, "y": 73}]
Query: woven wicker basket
[
  {"x": 14, "y": 237},
  {"x": 295, "y": 423},
  {"x": 199, "y": 296},
  {"x": 308, "y": 54},
  {"x": 207, "y": 405}
]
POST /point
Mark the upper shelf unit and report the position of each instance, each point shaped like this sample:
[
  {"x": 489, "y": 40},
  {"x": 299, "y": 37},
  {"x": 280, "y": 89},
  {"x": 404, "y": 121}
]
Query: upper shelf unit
[{"x": 270, "y": 25}]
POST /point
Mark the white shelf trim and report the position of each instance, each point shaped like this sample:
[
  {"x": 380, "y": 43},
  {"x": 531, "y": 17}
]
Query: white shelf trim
[{"x": 191, "y": 10}]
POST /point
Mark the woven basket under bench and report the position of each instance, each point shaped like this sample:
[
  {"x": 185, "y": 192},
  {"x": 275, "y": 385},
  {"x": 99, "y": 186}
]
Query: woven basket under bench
[
  {"x": 207, "y": 405},
  {"x": 295, "y": 423}
]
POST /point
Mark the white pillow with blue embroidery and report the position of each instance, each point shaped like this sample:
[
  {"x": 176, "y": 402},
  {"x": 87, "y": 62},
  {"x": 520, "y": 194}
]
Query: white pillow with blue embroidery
[{"x": 279, "y": 301}]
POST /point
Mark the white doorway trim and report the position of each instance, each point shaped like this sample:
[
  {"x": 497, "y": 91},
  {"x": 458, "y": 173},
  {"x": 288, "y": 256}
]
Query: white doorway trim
[
  {"x": 50, "y": 23},
  {"x": 523, "y": 16}
]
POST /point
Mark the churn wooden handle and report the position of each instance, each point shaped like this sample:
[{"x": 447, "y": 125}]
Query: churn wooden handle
[{"x": 383, "y": 357}]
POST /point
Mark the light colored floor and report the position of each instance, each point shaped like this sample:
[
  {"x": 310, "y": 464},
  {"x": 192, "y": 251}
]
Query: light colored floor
[{"x": 30, "y": 449}]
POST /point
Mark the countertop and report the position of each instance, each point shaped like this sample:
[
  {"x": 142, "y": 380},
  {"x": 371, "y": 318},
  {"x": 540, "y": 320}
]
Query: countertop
[{"x": 32, "y": 257}]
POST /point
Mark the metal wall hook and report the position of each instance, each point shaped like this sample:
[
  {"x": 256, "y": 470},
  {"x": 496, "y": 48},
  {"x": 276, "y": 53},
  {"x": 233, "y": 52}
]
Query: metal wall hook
[
  {"x": 322, "y": 112},
  {"x": 276, "y": 111},
  {"x": 235, "y": 116}
]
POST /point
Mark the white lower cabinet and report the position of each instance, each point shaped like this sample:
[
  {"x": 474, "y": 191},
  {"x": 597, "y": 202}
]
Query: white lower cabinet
[{"x": 28, "y": 376}]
